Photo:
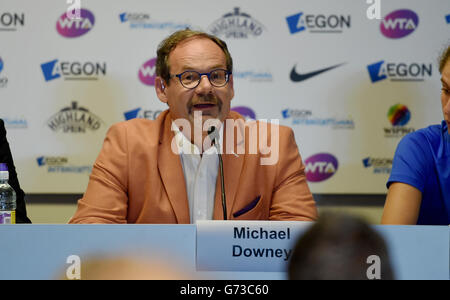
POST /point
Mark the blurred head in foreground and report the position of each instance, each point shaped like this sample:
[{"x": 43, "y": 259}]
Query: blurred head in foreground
[{"x": 340, "y": 247}]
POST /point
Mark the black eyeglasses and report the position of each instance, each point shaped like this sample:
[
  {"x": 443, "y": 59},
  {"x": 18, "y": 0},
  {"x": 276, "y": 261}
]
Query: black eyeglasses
[{"x": 191, "y": 79}]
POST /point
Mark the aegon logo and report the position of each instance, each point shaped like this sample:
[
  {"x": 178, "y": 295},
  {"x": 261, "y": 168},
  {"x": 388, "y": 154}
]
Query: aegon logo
[
  {"x": 379, "y": 165},
  {"x": 320, "y": 167},
  {"x": 72, "y": 27},
  {"x": 147, "y": 72},
  {"x": 73, "y": 70},
  {"x": 305, "y": 117},
  {"x": 318, "y": 23},
  {"x": 399, "y": 71},
  {"x": 58, "y": 164},
  {"x": 245, "y": 111},
  {"x": 3, "y": 80},
  {"x": 447, "y": 18},
  {"x": 10, "y": 21},
  {"x": 296, "y": 113},
  {"x": 137, "y": 20},
  {"x": 399, "y": 24},
  {"x": 236, "y": 24},
  {"x": 52, "y": 161},
  {"x": 142, "y": 114}
]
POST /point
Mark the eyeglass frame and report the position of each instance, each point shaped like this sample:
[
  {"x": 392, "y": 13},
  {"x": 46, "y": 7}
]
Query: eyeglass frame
[{"x": 208, "y": 74}]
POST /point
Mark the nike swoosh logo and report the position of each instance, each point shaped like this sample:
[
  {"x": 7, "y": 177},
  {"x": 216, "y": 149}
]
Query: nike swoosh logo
[{"x": 302, "y": 77}]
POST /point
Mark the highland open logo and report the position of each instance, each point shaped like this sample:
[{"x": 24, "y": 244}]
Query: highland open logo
[
  {"x": 147, "y": 72},
  {"x": 74, "y": 119},
  {"x": 320, "y": 167},
  {"x": 399, "y": 24},
  {"x": 236, "y": 24},
  {"x": 73, "y": 27}
]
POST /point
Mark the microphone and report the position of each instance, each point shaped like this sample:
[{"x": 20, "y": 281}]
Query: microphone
[{"x": 213, "y": 134}]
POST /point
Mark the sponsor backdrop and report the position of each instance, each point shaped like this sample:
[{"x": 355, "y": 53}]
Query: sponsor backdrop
[{"x": 350, "y": 87}]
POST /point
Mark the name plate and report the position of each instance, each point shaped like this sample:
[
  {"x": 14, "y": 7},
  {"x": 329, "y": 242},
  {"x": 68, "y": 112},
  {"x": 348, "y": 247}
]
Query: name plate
[{"x": 253, "y": 246}]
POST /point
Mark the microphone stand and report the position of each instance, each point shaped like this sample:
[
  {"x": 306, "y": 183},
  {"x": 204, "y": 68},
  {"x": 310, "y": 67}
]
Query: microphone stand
[{"x": 211, "y": 133}]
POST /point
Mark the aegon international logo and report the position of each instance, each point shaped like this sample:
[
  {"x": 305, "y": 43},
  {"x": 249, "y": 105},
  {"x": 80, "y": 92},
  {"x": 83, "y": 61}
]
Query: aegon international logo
[
  {"x": 378, "y": 165},
  {"x": 74, "y": 119},
  {"x": 237, "y": 25},
  {"x": 60, "y": 164},
  {"x": 245, "y": 111},
  {"x": 399, "y": 24},
  {"x": 399, "y": 116},
  {"x": 138, "y": 20},
  {"x": 14, "y": 122},
  {"x": 318, "y": 23},
  {"x": 11, "y": 21},
  {"x": 320, "y": 167},
  {"x": 142, "y": 114},
  {"x": 253, "y": 76},
  {"x": 147, "y": 72},
  {"x": 399, "y": 72},
  {"x": 3, "y": 79},
  {"x": 73, "y": 70},
  {"x": 304, "y": 117},
  {"x": 73, "y": 27}
]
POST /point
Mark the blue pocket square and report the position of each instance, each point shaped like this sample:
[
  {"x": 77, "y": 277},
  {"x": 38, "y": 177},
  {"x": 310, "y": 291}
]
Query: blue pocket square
[{"x": 250, "y": 206}]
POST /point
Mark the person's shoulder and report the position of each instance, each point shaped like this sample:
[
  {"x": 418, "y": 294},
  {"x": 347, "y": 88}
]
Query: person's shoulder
[
  {"x": 424, "y": 137},
  {"x": 140, "y": 124}
]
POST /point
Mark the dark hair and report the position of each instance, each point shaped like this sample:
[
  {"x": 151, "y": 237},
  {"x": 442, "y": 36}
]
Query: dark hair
[
  {"x": 337, "y": 247},
  {"x": 444, "y": 58},
  {"x": 167, "y": 46}
]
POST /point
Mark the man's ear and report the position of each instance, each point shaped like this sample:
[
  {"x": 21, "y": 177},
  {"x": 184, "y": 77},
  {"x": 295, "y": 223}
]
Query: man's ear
[{"x": 160, "y": 88}]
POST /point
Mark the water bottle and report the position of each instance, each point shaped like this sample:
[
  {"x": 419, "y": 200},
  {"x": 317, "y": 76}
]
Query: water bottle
[{"x": 7, "y": 198}]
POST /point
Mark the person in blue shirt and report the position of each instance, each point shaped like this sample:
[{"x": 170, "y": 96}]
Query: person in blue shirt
[{"x": 419, "y": 184}]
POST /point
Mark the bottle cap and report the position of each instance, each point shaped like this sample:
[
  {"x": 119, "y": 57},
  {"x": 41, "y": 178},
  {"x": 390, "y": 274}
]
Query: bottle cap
[{"x": 3, "y": 167}]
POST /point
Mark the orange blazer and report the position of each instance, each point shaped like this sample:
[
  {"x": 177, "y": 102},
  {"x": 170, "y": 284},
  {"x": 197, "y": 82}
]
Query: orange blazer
[{"x": 138, "y": 179}]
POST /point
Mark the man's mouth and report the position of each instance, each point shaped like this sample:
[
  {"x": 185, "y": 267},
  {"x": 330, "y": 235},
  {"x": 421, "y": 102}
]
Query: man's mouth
[{"x": 202, "y": 106}]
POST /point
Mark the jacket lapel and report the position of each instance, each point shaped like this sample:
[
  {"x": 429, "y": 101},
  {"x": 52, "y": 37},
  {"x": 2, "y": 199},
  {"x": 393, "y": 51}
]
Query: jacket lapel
[{"x": 169, "y": 165}]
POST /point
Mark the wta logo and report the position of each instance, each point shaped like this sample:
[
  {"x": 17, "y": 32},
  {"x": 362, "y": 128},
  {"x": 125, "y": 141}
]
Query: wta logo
[
  {"x": 71, "y": 27},
  {"x": 399, "y": 24},
  {"x": 147, "y": 72},
  {"x": 320, "y": 167},
  {"x": 245, "y": 111},
  {"x": 399, "y": 115}
]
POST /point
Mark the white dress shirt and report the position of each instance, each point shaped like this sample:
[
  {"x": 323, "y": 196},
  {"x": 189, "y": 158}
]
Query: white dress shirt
[{"x": 200, "y": 174}]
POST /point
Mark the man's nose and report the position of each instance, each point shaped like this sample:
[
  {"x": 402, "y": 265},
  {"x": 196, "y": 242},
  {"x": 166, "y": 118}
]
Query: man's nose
[{"x": 204, "y": 87}]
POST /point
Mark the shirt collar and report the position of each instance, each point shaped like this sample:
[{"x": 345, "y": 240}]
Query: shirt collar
[{"x": 186, "y": 147}]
